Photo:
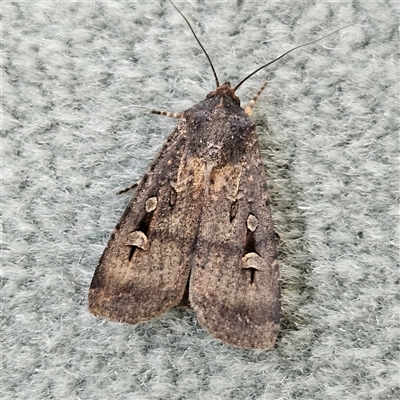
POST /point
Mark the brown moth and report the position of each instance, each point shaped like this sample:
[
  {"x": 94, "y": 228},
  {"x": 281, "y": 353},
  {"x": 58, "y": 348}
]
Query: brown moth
[{"x": 199, "y": 222}]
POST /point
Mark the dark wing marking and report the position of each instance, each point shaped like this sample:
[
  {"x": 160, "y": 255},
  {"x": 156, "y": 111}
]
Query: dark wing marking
[
  {"x": 235, "y": 292},
  {"x": 145, "y": 266}
]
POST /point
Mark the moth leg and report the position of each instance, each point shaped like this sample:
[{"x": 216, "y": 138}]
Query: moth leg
[
  {"x": 248, "y": 109},
  {"x": 166, "y": 113},
  {"x": 128, "y": 188}
]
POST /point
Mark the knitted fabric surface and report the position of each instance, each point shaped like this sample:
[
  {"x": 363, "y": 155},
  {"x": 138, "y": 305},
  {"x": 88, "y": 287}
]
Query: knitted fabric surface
[{"x": 79, "y": 79}]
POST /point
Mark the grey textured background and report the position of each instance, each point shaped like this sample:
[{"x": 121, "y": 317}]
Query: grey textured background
[{"x": 78, "y": 79}]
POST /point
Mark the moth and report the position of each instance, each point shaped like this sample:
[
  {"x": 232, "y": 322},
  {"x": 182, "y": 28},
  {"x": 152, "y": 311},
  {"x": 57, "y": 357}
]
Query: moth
[{"x": 199, "y": 226}]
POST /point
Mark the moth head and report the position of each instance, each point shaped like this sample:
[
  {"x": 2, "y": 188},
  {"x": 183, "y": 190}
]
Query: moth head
[{"x": 224, "y": 90}]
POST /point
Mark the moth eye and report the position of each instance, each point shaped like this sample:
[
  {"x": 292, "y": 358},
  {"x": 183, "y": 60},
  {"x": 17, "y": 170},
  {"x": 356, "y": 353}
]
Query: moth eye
[{"x": 151, "y": 204}]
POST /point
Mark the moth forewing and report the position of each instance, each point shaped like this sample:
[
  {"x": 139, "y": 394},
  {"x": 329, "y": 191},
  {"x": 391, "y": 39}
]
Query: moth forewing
[
  {"x": 144, "y": 268},
  {"x": 234, "y": 285}
]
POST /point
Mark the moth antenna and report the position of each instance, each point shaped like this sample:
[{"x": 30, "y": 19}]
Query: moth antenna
[
  {"x": 198, "y": 41},
  {"x": 284, "y": 54}
]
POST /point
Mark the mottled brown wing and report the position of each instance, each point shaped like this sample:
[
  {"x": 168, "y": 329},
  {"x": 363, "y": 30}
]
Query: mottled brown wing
[
  {"x": 234, "y": 283},
  {"x": 145, "y": 267}
]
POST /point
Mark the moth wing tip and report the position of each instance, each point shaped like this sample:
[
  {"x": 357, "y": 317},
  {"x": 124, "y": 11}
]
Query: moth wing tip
[{"x": 256, "y": 337}]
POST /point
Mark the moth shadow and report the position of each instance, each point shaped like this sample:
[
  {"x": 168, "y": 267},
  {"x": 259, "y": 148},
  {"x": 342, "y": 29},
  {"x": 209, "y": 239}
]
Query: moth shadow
[
  {"x": 290, "y": 226},
  {"x": 176, "y": 329}
]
